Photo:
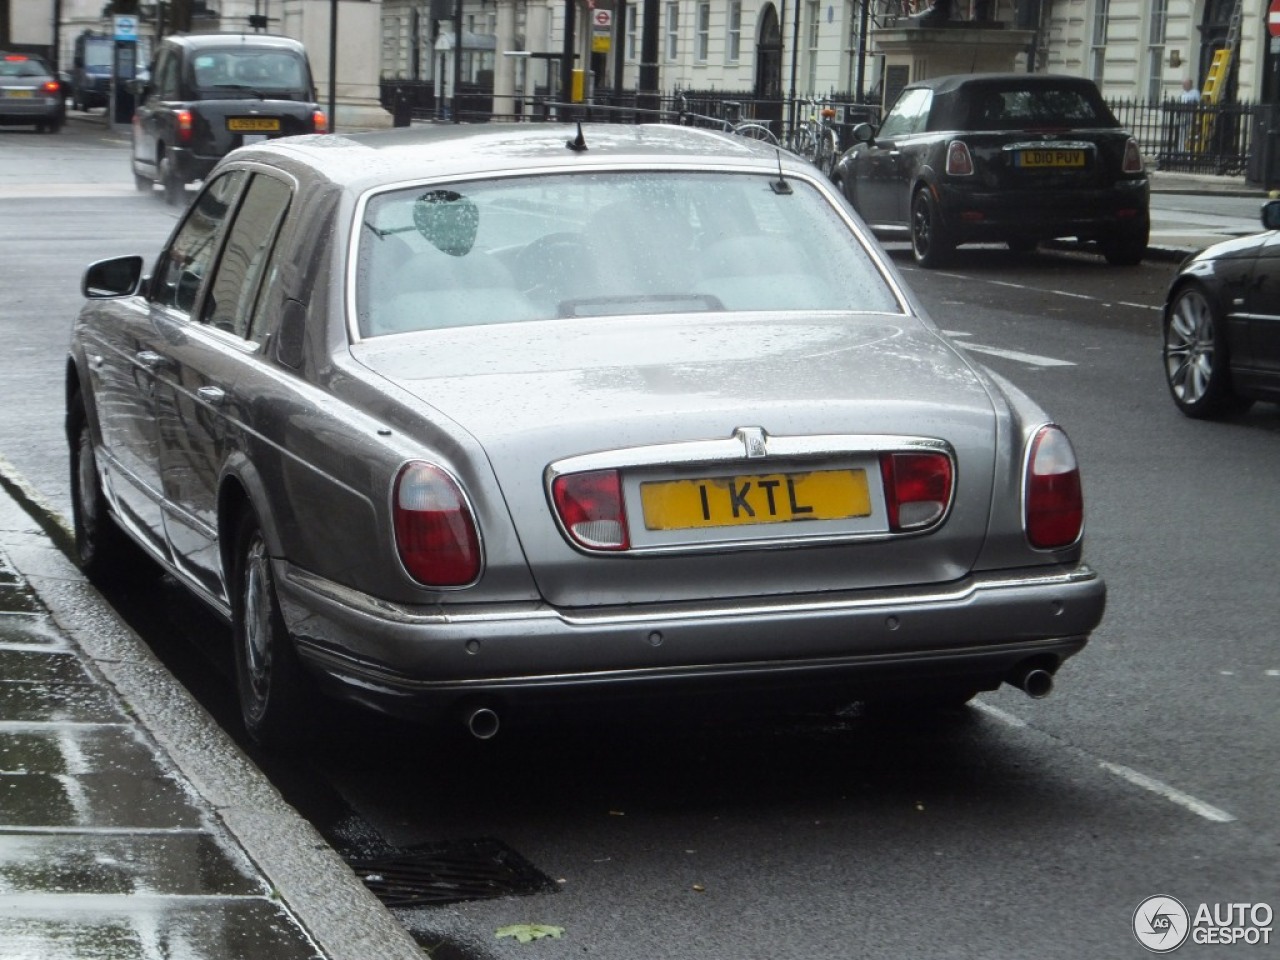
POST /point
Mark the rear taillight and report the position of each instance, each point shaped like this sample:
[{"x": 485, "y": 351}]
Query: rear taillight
[
  {"x": 1132, "y": 158},
  {"x": 184, "y": 125},
  {"x": 959, "y": 161},
  {"x": 917, "y": 489},
  {"x": 319, "y": 121},
  {"x": 1053, "y": 502},
  {"x": 435, "y": 531},
  {"x": 52, "y": 87},
  {"x": 591, "y": 510}
]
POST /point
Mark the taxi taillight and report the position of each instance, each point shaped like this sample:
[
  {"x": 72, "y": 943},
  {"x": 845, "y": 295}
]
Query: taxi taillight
[
  {"x": 319, "y": 121},
  {"x": 52, "y": 87},
  {"x": 435, "y": 530},
  {"x": 917, "y": 488},
  {"x": 183, "y": 122},
  {"x": 591, "y": 509},
  {"x": 1054, "y": 504}
]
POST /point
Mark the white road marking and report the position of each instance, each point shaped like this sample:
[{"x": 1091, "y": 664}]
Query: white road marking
[
  {"x": 1071, "y": 294},
  {"x": 1161, "y": 789},
  {"x": 1172, "y": 794},
  {"x": 1029, "y": 358}
]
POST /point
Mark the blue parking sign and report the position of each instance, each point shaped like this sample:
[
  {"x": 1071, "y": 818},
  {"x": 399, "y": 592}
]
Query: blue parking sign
[{"x": 126, "y": 28}]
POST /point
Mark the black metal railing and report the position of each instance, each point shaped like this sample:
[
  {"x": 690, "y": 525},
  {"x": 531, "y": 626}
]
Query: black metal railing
[{"x": 1205, "y": 138}]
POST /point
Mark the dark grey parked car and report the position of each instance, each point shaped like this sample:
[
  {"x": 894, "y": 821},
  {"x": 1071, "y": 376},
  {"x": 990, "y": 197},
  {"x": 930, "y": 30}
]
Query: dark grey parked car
[
  {"x": 30, "y": 93},
  {"x": 210, "y": 93},
  {"x": 1000, "y": 158},
  {"x": 469, "y": 417},
  {"x": 1222, "y": 324}
]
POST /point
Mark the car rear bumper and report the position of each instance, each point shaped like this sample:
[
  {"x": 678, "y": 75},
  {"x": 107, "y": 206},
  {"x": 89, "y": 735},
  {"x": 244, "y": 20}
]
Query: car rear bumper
[
  {"x": 30, "y": 111},
  {"x": 415, "y": 661},
  {"x": 1089, "y": 214}
]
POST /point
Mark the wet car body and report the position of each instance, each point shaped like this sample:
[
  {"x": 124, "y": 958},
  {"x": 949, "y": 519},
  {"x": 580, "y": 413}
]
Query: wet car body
[
  {"x": 481, "y": 438},
  {"x": 30, "y": 93},
  {"x": 208, "y": 94},
  {"x": 1000, "y": 158},
  {"x": 1221, "y": 344}
]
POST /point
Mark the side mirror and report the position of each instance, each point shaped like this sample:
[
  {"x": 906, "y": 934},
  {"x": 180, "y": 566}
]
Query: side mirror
[
  {"x": 120, "y": 277},
  {"x": 863, "y": 133},
  {"x": 1271, "y": 215}
]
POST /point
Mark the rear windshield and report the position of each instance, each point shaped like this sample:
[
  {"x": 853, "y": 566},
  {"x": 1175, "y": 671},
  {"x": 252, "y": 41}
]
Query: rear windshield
[
  {"x": 1015, "y": 108},
  {"x": 606, "y": 244},
  {"x": 23, "y": 68},
  {"x": 250, "y": 71}
]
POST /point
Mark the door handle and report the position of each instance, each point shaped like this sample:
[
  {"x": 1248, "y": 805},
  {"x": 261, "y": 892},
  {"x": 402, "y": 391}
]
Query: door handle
[
  {"x": 150, "y": 359},
  {"x": 214, "y": 396}
]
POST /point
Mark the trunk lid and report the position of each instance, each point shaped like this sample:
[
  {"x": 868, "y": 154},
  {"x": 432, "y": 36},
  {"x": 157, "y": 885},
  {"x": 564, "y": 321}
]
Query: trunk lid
[{"x": 535, "y": 393}]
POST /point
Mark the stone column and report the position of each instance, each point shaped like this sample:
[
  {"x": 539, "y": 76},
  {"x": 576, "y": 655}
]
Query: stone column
[
  {"x": 357, "y": 103},
  {"x": 504, "y": 67}
]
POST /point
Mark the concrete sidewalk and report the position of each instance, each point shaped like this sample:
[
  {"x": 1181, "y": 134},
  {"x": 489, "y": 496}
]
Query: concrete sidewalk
[{"x": 131, "y": 827}]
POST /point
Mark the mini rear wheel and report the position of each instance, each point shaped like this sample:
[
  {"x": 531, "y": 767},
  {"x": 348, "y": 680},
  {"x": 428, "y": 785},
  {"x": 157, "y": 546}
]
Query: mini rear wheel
[{"x": 931, "y": 245}]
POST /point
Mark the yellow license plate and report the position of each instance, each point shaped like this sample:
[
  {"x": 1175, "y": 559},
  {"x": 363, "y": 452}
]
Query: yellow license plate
[
  {"x": 19, "y": 94},
  {"x": 1051, "y": 158},
  {"x": 253, "y": 124},
  {"x": 763, "y": 498}
]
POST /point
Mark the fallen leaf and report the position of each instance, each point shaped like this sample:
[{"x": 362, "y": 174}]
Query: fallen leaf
[
  {"x": 527, "y": 932},
  {"x": 699, "y": 888}
]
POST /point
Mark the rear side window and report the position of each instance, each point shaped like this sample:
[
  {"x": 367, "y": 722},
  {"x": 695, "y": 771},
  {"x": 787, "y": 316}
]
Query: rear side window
[{"x": 1014, "y": 108}]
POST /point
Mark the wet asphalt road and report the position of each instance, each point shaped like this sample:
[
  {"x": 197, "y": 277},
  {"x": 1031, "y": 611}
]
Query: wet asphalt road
[{"x": 1018, "y": 828}]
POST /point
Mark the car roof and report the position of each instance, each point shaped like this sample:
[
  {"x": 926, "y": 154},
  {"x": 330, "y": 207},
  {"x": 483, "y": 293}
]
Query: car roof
[
  {"x": 952, "y": 82},
  {"x": 204, "y": 41},
  {"x": 361, "y": 161}
]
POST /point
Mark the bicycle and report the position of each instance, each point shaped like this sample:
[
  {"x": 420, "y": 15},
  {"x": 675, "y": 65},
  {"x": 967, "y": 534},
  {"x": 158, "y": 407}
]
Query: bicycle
[
  {"x": 815, "y": 137},
  {"x": 751, "y": 129}
]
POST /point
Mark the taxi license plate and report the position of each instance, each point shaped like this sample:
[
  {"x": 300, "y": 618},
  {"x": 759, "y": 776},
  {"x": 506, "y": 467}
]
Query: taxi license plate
[
  {"x": 19, "y": 94},
  {"x": 253, "y": 124},
  {"x": 755, "y": 499},
  {"x": 1050, "y": 158}
]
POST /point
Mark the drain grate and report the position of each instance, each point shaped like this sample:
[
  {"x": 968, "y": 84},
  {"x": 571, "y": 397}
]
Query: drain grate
[{"x": 450, "y": 872}]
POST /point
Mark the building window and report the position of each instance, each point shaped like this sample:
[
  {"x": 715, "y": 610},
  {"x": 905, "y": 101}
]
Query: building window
[
  {"x": 1098, "y": 43},
  {"x": 633, "y": 21},
  {"x": 1155, "y": 48},
  {"x": 673, "y": 31},
  {"x": 733, "y": 40},
  {"x": 704, "y": 30}
]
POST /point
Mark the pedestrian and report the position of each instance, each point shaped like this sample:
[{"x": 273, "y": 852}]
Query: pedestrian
[{"x": 1189, "y": 108}]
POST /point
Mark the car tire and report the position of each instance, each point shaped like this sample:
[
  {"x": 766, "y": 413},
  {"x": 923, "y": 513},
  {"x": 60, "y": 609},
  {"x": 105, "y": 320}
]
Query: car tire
[
  {"x": 175, "y": 190},
  {"x": 1125, "y": 250},
  {"x": 930, "y": 243},
  {"x": 103, "y": 551},
  {"x": 270, "y": 682},
  {"x": 1196, "y": 364}
]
